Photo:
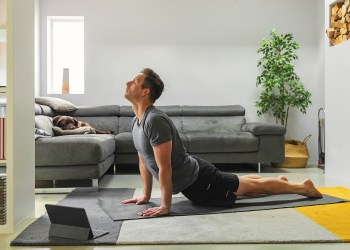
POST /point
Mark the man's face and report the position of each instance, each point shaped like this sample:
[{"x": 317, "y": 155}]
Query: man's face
[{"x": 134, "y": 91}]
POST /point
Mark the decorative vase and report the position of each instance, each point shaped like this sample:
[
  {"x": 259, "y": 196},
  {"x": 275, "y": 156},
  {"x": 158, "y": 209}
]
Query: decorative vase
[{"x": 65, "y": 82}]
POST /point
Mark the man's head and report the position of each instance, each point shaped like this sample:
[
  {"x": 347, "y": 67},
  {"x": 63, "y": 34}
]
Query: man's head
[
  {"x": 146, "y": 84},
  {"x": 153, "y": 82}
]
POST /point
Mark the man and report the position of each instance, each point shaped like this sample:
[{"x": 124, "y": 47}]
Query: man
[{"x": 162, "y": 155}]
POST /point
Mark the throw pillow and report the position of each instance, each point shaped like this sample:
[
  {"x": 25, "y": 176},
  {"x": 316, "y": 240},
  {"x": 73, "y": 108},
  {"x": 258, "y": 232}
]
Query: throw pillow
[
  {"x": 57, "y": 104},
  {"x": 40, "y": 133},
  {"x": 82, "y": 130}
]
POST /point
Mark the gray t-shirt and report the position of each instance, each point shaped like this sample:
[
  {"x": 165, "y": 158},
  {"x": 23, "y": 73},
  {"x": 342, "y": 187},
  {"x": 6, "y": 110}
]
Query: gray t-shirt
[{"x": 156, "y": 128}]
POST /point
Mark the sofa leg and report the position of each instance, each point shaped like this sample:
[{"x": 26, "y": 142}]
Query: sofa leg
[
  {"x": 259, "y": 165},
  {"x": 95, "y": 183},
  {"x": 114, "y": 169}
]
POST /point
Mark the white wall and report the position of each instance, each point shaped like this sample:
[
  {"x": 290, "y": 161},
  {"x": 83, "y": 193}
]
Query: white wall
[
  {"x": 337, "y": 90},
  {"x": 37, "y": 47},
  {"x": 21, "y": 121},
  {"x": 204, "y": 50}
]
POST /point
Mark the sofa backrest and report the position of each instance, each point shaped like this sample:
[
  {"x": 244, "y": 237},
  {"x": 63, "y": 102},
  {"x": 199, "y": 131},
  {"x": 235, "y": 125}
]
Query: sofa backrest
[
  {"x": 127, "y": 114},
  {"x": 125, "y": 118},
  {"x": 101, "y": 117},
  {"x": 45, "y": 123},
  {"x": 212, "y": 124},
  {"x": 229, "y": 118}
]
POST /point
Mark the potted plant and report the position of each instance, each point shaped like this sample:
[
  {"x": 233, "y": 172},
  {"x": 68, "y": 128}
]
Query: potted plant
[{"x": 282, "y": 88}]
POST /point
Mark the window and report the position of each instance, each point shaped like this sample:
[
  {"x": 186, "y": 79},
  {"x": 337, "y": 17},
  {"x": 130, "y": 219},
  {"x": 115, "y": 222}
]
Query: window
[{"x": 65, "y": 54}]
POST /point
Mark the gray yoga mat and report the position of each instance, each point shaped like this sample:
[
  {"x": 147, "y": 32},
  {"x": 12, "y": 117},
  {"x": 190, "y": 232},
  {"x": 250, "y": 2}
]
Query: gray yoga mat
[
  {"x": 182, "y": 206},
  {"x": 37, "y": 234}
]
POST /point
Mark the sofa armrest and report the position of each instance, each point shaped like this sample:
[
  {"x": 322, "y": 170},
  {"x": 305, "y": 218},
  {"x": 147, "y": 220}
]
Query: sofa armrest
[{"x": 264, "y": 129}]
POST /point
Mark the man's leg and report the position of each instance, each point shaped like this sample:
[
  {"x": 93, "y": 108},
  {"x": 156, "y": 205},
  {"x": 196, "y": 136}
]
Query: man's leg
[
  {"x": 256, "y": 186},
  {"x": 254, "y": 176}
]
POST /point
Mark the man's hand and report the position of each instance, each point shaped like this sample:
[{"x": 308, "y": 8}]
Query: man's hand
[
  {"x": 138, "y": 201},
  {"x": 154, "y": 211}
]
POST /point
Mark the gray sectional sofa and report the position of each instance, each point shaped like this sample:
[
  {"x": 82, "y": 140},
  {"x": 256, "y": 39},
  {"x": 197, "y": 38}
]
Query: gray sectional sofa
[{"x": 219, "y": 134}]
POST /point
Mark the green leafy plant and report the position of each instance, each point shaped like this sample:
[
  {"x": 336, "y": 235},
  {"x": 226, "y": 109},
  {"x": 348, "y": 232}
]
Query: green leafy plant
[{"x": 282, "y": 88}]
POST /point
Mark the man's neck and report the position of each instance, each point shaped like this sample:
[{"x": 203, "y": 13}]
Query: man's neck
[{"x": 140, "y": 109}]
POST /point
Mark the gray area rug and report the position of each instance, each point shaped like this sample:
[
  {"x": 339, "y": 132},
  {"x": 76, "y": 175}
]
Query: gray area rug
[
  {"x": 265, "y": 226},
  {"x": 182, "y": 206},
  {"x": 36, "y": 234}
]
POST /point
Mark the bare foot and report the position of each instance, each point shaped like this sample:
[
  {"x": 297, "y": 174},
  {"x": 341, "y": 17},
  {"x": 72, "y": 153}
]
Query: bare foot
[
  {"x": 282, "y": 177},
  {"x": 310, "y": 190}
]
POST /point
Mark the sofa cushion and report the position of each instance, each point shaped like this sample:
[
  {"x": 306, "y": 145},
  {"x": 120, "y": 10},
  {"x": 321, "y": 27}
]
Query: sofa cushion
[
  {"x": 227, "y": 110},
  {"x": 104, "y": 110},
  {"x": 125, "y": 124},
  {"x": 78, "y": 131},
  {"x": 73, "y": 149},
  {"x": 171, "y": 110},
  {"x": 37, "y": 108},
  {"x": 212, "y": 124},
  {"x": 45, "y": 123},
  {"x": 184, "y": 141},
  {"x": 221, "y": 142},
  {"x": 126, "y": 111},
  {"x": 40, "y": 133},
  {"x": 57, "y": 104},
  {"x": 44, "y": 110},
  {"x": 101, "y": 122},
  {"x": 177, "y": 120},
  {"x": 124, "y": 143}
]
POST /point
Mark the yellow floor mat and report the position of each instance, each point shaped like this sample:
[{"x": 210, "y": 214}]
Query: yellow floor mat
[{"x": 334, "y": 217}]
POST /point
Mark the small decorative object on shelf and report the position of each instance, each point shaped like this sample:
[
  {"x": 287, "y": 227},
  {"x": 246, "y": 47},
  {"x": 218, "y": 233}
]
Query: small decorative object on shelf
[
  {"x": 2, "y": 199},
  {"x": 339, "y": 29},
  {"x": 65, "y": 82}
]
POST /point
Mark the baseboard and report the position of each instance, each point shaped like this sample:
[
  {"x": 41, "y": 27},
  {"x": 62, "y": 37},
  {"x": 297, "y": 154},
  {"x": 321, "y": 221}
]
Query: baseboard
[
  {"x": 312, "y": 165},
  {"x": 53, "y": 190},
  {"x": 24, "y": 222}
]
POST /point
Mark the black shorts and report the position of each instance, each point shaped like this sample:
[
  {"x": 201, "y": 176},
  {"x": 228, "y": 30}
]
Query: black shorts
[{"x": 212, "y": 187}]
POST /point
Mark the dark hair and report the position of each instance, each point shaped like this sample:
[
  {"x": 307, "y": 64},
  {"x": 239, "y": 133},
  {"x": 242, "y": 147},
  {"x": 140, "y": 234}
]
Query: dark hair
[{"x": 153, "y": 82}]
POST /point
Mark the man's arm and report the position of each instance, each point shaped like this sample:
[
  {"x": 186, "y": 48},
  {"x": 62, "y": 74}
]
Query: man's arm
[
  {"x": 162, "y": 154},
  {"x": 146, "y": 177}
]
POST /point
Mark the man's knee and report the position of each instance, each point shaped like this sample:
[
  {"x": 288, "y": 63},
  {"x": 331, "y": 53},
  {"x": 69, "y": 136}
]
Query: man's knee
[{"x": 248, "y": 187}]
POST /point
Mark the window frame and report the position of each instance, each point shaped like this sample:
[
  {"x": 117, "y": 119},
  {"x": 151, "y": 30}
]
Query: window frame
[{"x": 49, "y": 52}]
